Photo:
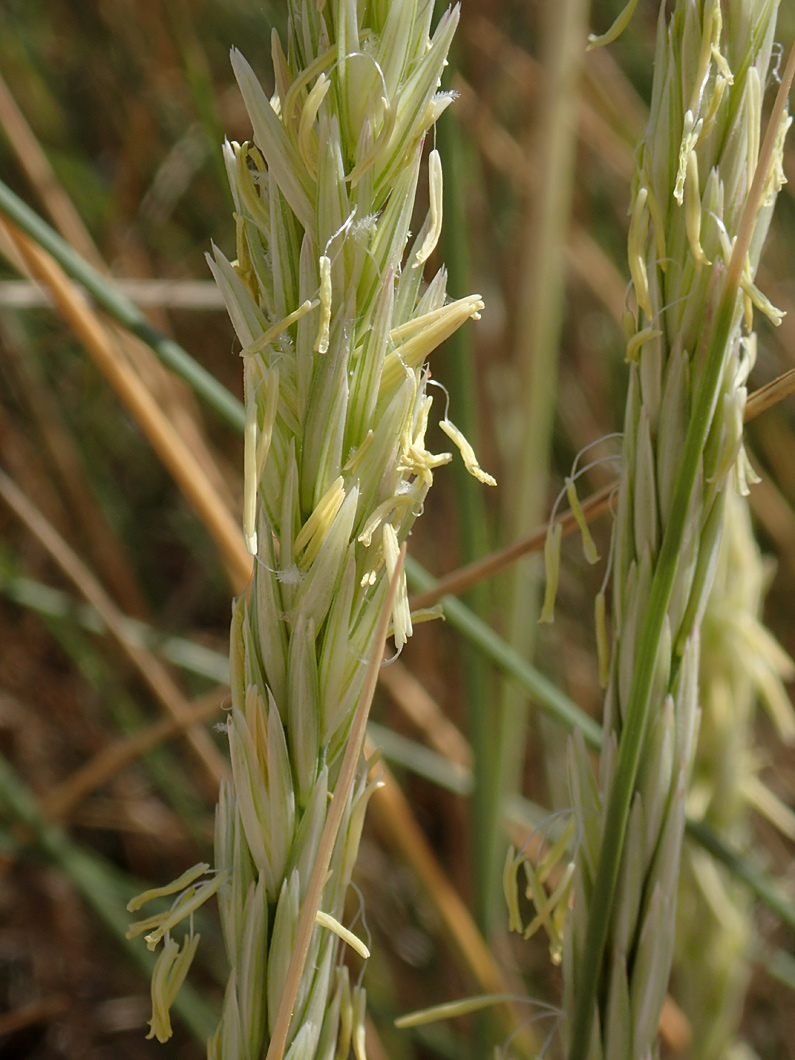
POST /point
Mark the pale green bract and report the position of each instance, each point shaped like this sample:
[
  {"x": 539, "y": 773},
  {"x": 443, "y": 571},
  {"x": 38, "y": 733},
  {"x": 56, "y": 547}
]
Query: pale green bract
[
  {"x": 335, "y": 322},
  {"x": 740, "y": 663},
  {"x": 682, "y": 456}
]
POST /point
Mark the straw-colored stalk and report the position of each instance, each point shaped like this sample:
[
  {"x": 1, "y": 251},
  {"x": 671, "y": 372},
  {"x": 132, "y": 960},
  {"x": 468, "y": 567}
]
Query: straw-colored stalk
[
  {"x": 335, "y": 323},
  {"x": 702, "y": 199}
]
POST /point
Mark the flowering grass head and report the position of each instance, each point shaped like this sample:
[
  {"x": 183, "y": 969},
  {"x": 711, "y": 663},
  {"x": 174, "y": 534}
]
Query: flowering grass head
[
  {"x": 704, "y": 190},
  {"x": 336, "y": 322}
]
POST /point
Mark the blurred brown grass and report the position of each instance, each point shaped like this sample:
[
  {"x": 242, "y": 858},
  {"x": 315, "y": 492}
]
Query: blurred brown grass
[{"x": 128, "y": 101}]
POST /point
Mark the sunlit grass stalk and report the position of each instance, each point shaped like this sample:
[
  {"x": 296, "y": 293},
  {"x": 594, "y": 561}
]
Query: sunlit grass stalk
[
  {"x": 702, "y": 200},
  {"x": 335, "y": 323},
  {"x": 540, "y": 316}
]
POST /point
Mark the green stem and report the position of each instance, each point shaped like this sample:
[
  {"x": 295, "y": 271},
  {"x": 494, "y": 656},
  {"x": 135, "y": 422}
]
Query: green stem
[
  {"x": 546, "y": 694},
  {"x": 458, "y": 372}
]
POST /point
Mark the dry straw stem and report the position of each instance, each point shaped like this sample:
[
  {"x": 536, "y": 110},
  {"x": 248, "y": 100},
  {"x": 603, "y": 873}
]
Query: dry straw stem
[
  {"x": 60, "y": 208},
  {"x": 175, "y": 454},
  {"x": 335, "y": 323},
  {"x": 57, "y": 444},
  {"x": 34, "y": 161},
  {"x": 150, "y": 668},
  {"x": 396, "y": 820},
  {"x": 106, "y": 764},
  {"x": 703, "y": 197}
]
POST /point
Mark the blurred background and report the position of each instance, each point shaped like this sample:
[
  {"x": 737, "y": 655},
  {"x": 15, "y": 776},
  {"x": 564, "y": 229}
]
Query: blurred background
[{"x": 112, "y": 113}]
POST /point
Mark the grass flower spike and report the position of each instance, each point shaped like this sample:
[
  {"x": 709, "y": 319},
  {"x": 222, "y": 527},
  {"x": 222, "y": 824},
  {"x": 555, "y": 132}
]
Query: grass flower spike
[
  {"x": 335, "y": 323},
  {"x": 740, "y": 664},
  {"x": 703, "y": 195}
]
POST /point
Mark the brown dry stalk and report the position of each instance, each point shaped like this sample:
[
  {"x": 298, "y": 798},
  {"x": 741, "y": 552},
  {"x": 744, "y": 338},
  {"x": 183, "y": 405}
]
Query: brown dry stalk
[
  {"x": 54, "y": 443},
  {"x": 62, "y": 799},
  {"x": 36, "y": 165},
  {"x": 175, "y": 455},
  {"x": 457, "y": 581},
  {"x": 170, "y": 392},
  {"x": 394, "y": 817},
  {"x": 150, "y": 668},
  {"x": 422, "y": 709}
]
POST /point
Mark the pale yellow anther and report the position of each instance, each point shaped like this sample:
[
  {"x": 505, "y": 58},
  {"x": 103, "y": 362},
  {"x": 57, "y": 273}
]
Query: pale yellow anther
[
  {"x": 616, "y": 29},
  {"x": 256, "y": 442},
  {"x": 322, "y": 341},
  {"x": 357, "y": 458},
  {"x": 451, "y": 1010},
  {"x": 658, "y": 228},
  {"x": 435, "y": 196},
  {"x": 693, "y": 212},
  {"x": 775, "y": 178},
  {"x": 185, "y": 880},
  {"x": 419, "y": 338},
  {"x": 315, "y": 530},
  {"x": 752, "y": 296},
  {"x": 715, "y": 100},
  {"x": 636, "y": 252},
  {"x": 395, "y": 503},
  {"x": 327, "y": 921},
  {"x": 552, "y": 856},
  {"x": 302, "y": 81},
  {"x": 638, "y": 340},
  {"x": 427, "y": 614},
  {"x": 401, "y": 614},
  {"x": 552, "y": 546},
  {"x": 369, "y": 577},
  {"x": 359, "y": 1038},
  {"x": 415, "y": 459},
  {"x": 710, "y": 40},
  {"x": 270, "y": 384},
  {"x": 546, "y": 908},
  {"x": 588, "y": 546},
  {"x": 189, "y": 901},
  {"x": 273, "y": 332},
  {"x": 168, "y": 975},
  {"x": 467, "y": 453},
  {"x": 250, "y": 478},
  {"x": 690, "y": 134},
  {"x": 510, "y": 889},
  {"x": 377, "y": 147},
  {"x": 307, "y": 147},
  {"x": 753, "y": 88}
]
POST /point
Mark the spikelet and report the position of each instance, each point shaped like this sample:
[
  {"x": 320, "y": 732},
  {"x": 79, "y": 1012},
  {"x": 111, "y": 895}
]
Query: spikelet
[
  {"x": 740, "y": 665},
  {"x": 682, "y": 456},
  {"x": 336, "y": 324}
]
